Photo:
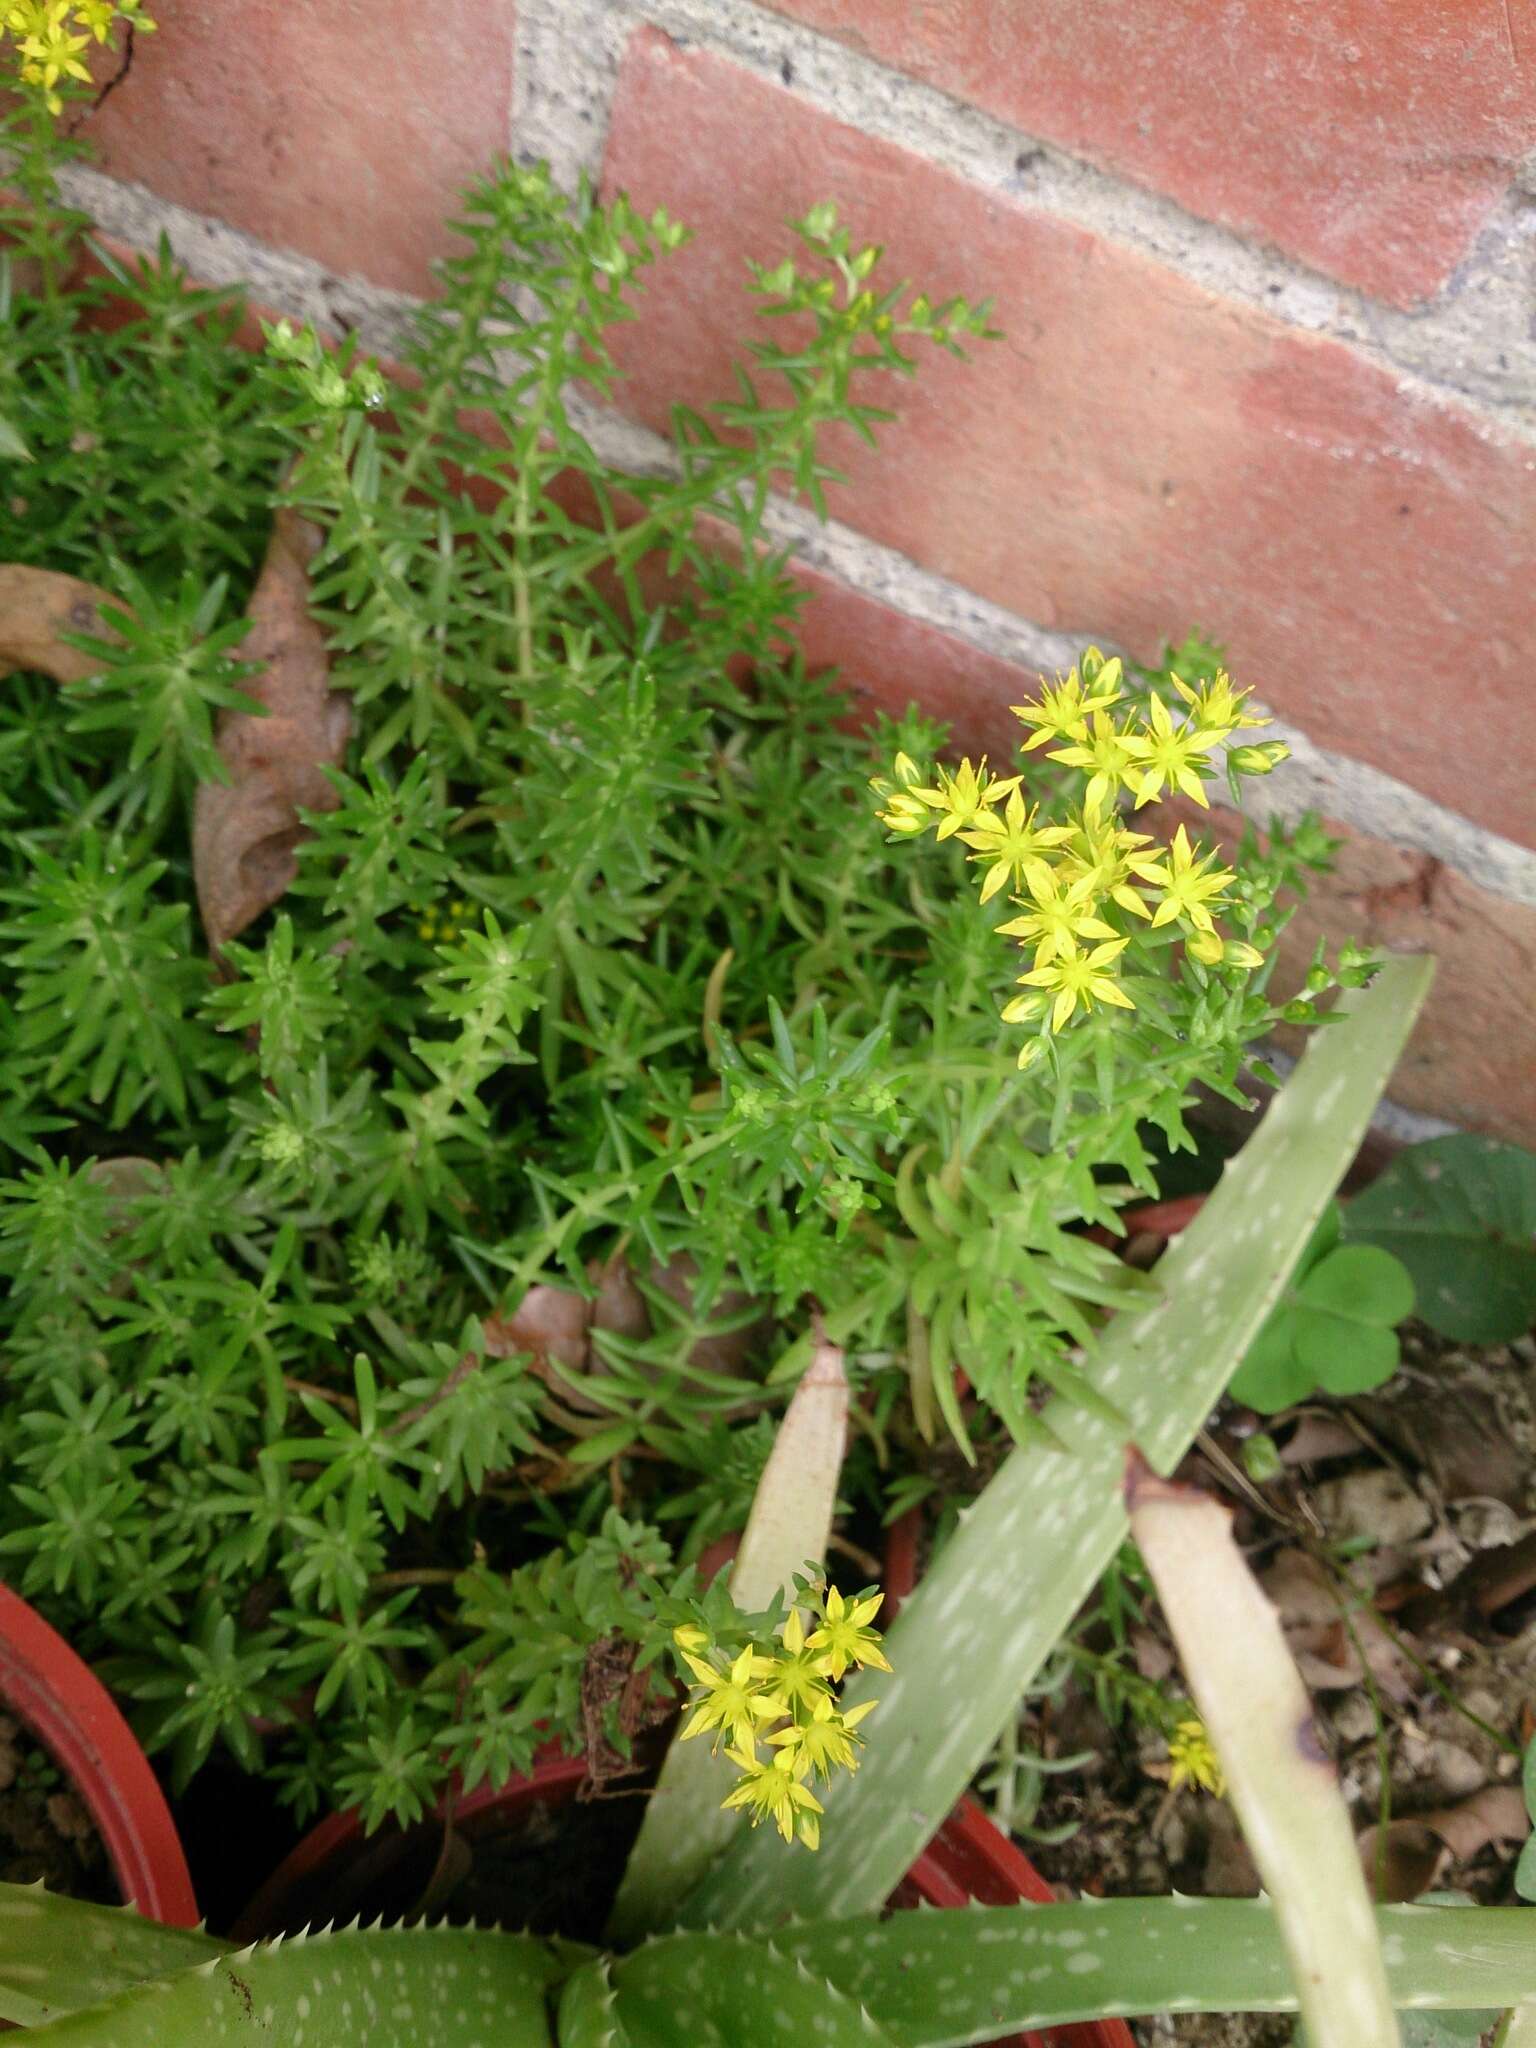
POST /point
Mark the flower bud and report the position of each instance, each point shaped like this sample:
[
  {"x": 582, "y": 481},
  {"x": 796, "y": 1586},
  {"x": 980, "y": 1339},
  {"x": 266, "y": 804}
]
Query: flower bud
[{"x": 1259, "y": 759}]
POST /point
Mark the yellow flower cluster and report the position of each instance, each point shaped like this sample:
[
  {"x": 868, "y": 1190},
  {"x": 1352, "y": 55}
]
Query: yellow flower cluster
[
  {"x": 440, "y": 924},
  {"x": 1193, "y": 1760},
  {"x": 1076, "y": 882},
  {"x": 785, "y": 1701},
  {"x": 52, "y": 36}
]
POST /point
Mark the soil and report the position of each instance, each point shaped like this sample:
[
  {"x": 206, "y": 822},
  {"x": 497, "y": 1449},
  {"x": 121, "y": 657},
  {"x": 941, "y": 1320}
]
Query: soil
[
  {"x": 1422, "y": 1499},
  {"x": 540, "y": 1872},
  {"x": 45, "y": 1830}
]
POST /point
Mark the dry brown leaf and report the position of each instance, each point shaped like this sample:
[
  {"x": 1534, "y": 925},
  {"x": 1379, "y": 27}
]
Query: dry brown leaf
[
  {"x": 1410, "y": 1856},
  {"x": 1310, "y": 1611},
  {"x": 1316, "y": 1438},
  {"x": 725, "y": 1351},
  {"x": 245, "y": 831},
  {"x": 1401, "y": 1861},
  {"x": 36, "y": 607},
  {"x": 1495, "y": 1814},
  {"x": 550, "y": 1322}
]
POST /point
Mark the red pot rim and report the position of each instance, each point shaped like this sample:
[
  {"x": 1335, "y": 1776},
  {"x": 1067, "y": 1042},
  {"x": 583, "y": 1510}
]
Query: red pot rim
[
  {"x": 970, "y": 1857},
  {"x": 61, "y": 1700}
]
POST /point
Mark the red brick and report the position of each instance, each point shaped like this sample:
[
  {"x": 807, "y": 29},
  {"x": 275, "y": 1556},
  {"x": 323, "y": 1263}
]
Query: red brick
[
  {"x": 1469, "y": 1058},
  {"x": 1372, "y": 141},
  {"x": 1138, "y": 458},
  {"x": 887, "y": 661},
  {"x": 344, "y": 130}
]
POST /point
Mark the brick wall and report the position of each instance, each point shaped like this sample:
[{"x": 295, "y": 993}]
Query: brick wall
[{"x": 1266, "y": 275}]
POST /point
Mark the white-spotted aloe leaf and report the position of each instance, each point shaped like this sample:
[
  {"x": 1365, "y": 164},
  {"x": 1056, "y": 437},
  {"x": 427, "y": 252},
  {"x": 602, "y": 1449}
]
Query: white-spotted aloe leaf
[
  {"x": 589, "y": 2009},
  {"x": 935, "y": 1980},
  {"x": 52, "y": 1961},
  {"x": 686, "y": 1989},
  {"x": 685, "y": 1826},
  {"x": 1027, "y": 1553},
  {"x": 456, "y": 1987}
]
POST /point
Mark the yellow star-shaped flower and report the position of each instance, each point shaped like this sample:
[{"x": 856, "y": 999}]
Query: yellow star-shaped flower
[
  {"x": 845, "y": 1637},
  {"x": 1063, "y": 712},
  {"x": 1008, "y": 844},
  {"x": 734, "y": 1701},
  {"x": 771, "y": 1791},
  {"x": 1167, "y": 754},
  {"x": 1059, "y": 915},
  {"x": 966, "y": 796},
  {"x": 1105, "y": 856},
  {"x": 1105, "y": 757},
  {"x": 1217, "y": 707},
  {"x": 1188, "y": 882},
  {"x": 1074, "y": 978}
]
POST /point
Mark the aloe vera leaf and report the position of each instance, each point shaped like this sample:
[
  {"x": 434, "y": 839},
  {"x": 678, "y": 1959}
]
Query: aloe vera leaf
[
  {"x": 685, "y": 1827},
  {"x": 588, "y": 2009},
  {"x": 52, "y": 1961},
  {"x": 686, "y": 1990},
  {"x": 1280, "y": 1778},
  {"x": 1030, "y": 1549},
  {"x": 457, "y": 1987},
  {"x": 939, "y": 1979}
]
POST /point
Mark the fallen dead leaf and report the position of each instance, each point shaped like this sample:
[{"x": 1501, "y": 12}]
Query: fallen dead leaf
[
  {"x": 1376, "y": 1503},
  {"x": 1409, "y": 1856},
  {"x": 1311, "y": 1611},
  {"x": 725, "y": 1349},
  {"x": 549, "y": 1322},
  {"x": 1495, "y": 1814},
  {"x": 245, "y": 831},
  {"x": 1401, "y": 1861},
  {"x": 1317, "y": 1438},
  {"x": 37, "y": 606}
]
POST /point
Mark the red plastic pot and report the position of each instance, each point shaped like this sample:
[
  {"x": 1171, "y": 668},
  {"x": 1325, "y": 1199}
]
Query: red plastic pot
[
  {"x": 61, "y": 1701},
  {"x": 971, "y": 1858}
]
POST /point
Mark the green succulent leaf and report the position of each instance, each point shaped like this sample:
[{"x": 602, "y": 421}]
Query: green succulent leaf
[
  {"x": 687, "y": 1989},
  {"x": 1460, "y": 1213},
  {"x": 454, "y": 1986},
  {"x": 53, "y": 1960},
  {"x": 588, "y": 2014}
]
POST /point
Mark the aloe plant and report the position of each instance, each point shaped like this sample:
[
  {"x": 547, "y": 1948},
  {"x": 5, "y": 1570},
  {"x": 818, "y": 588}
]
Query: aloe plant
[
  {"x": 929, "y": 1980},
  {"x": 1029, "y": 1550}
]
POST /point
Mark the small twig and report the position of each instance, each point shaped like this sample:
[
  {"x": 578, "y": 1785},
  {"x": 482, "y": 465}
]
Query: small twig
[
  {"x": 423, "y": 1575},
  {"x": 321, "y": 1394},
  {"x": 468, "y": 1364},
  {"x": 106, "y": 92},
  {"x": 866, "y": 1560},
  {"x": 1238, "y": 1480}
]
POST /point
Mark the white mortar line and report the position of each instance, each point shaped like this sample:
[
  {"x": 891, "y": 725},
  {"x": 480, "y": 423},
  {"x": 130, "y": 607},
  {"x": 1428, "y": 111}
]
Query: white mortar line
[
  {"x": 1315, "y": 778},
  {"x": 1472, "y": 341}
]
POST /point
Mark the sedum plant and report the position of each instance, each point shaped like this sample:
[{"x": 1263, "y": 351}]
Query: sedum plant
[
  {"x": 459, "y": 1023},
  {"x": 855, "y": 1976}
]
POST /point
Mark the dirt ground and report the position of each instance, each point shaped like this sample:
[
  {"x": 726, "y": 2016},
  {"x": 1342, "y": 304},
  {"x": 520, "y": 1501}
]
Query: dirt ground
[{"x": 1399, "y": 1543}]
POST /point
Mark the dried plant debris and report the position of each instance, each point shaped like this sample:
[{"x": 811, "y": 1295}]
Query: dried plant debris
[
  {"x": 37, "y": 608},
  {"x": 245, "y": 832}
]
